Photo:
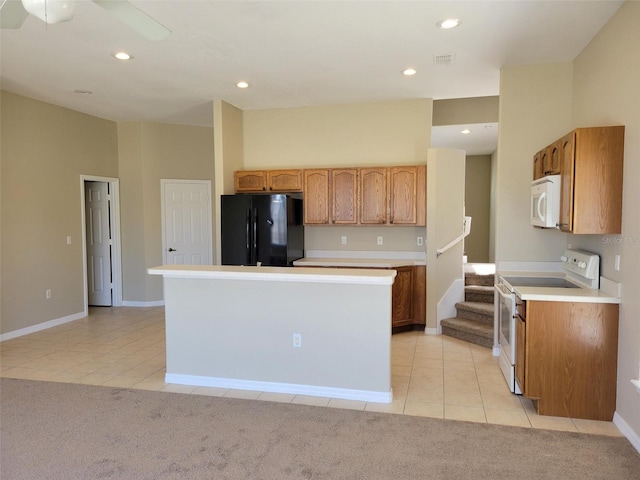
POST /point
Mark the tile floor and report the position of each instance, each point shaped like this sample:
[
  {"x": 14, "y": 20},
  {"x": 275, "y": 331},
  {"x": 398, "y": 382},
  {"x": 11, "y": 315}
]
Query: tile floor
[{"x": 433, "y": 376}]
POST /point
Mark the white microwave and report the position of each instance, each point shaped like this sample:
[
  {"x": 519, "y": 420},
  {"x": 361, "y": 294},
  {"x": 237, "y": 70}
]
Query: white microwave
[{"x": 545, "y": 202}]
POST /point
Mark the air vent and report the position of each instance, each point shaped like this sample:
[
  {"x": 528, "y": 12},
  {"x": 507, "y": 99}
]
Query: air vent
[{"x": 446, "y": 60}]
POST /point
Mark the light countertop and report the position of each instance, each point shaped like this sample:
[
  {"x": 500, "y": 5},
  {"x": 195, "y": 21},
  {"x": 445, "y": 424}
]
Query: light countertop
[
  {"x": 584, "y": 295},
  {"x": 277, "y": 274},
  {"x": 356, "y": 262}
]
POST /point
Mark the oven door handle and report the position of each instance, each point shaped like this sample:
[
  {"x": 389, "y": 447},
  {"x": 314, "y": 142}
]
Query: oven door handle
[{"x": 504, "y": 291}]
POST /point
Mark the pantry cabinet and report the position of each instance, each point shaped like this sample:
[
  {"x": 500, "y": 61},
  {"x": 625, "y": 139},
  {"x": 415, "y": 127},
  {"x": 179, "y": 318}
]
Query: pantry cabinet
[
  {"x": 566, "y": 357},
  {"x": 248, "y": 181},
  {"x": 591, "y": 165}
]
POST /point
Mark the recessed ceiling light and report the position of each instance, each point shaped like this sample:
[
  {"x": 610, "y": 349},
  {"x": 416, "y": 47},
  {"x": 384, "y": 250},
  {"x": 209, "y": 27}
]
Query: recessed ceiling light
[
  {"x": 409, "y": 71},
  {"x": 122, "y": 56},
  {"x": 242, "y": 85},
  {"x": 466, "y": 131},
  {"x": 448, "y": 23}
]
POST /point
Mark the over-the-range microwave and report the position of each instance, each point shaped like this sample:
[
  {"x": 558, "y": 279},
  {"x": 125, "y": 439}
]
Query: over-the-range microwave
[{"x": 545, "y": 202}]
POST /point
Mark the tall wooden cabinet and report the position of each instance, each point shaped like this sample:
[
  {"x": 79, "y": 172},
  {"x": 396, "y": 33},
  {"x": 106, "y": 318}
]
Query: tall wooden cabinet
[{"x": 591, "y": 165}]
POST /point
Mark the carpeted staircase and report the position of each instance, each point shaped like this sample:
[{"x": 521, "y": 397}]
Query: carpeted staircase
[{"x": 474, "y": 320}]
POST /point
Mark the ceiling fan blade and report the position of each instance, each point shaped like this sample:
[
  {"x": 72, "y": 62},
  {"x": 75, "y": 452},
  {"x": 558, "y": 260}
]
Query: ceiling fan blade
[
  {"x": 12, "y": 14},
  {"x": 135, "y": 18}
]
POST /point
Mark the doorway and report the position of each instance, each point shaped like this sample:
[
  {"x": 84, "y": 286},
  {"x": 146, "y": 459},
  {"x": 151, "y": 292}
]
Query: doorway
[{"x": 100, "y": 201}]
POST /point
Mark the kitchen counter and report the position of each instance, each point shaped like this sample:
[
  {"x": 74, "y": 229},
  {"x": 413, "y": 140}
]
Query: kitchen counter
[
  {"x": 356, "y": 262},
  {"x": 584, "y": 295},
  {"x": 309, "y": 331}
]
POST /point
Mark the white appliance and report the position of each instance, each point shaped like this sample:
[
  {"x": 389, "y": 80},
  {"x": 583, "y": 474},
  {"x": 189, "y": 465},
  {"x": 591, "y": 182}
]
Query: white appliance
[
  {"x": 545, "y": 202},
  {"x": 580, "y": 270}
]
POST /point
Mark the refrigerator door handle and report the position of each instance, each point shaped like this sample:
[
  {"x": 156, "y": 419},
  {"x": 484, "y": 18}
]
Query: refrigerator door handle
[
  {"x": 254, "y": 260},
  {"x": 248, "y": 236}
]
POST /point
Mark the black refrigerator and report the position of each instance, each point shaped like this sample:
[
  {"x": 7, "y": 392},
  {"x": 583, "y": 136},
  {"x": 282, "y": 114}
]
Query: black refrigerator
[{"x": 261, "y": 230}]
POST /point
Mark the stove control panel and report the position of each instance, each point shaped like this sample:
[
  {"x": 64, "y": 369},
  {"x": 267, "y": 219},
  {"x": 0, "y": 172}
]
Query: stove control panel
[{"x": 581, "y": 263}]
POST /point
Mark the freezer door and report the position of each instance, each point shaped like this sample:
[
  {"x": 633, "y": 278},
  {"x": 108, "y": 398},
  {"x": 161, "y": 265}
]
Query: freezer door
[{"x": 236, "y": 230}]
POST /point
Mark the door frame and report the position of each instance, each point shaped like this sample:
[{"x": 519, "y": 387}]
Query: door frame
[
  {"x": 163, "y": 182},
  {"x": 116, "y": 252}
]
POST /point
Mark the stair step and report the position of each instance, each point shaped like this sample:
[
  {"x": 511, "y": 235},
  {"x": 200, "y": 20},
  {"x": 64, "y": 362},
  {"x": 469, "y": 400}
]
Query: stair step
[
  {"x": 481, "y": 312},
  {"x": 478, "y": 279},
  {"x": 479, "y": 293},
  {"x": 468, "y": 330}
]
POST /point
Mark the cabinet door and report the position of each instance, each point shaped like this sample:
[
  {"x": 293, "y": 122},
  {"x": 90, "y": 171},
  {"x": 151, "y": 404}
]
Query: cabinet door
[
  {"x": 420, "y": 295},
  {"x": 520, "y": 354},
  {"x": 403, "y": 186},
  {"x": 538, "y": 167},
  {"x": 373, "y": 195},
  {"x": 250, "y": 181},
  {"x": 316, "y": 197},
  {"x": 567, "y": 159},
  {"x": 552, "y": 167},
  {"x": 284, "y": 180},
  {"x": 344, "y": 196},
  {"x": 402, "y": 297}
]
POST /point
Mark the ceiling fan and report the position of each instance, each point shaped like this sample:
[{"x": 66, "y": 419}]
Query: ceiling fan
[{"x": 14, "y": 12}]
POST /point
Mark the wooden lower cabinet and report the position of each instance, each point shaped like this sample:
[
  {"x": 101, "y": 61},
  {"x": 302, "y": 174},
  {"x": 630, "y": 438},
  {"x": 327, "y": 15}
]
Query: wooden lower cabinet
[
  {"x": 566, "y": 358},
  {"x": 402, "y": 297}
]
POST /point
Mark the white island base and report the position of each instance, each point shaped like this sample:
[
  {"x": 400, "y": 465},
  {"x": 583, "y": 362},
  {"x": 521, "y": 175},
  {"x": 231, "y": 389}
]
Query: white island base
[{"x": 309, "y": 331}]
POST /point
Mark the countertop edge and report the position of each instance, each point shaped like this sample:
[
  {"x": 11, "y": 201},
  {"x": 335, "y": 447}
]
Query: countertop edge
[{"x": 277, "y": 274}]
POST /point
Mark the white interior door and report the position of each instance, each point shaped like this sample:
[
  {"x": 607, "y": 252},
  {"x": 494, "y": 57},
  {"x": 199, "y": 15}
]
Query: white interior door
[
  {"x": 186, "y": 222},
  {"x": 98, "y": 243}
]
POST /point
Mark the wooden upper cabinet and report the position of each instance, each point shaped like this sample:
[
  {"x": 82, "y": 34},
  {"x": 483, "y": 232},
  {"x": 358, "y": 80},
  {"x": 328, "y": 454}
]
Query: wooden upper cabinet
[
  {"x": 592, "y": 162},
  {"x": 250, "y": 181},
  {"x": 344, "y": 196},
  {"x": 316, "y": 197},
  {"x": 284, "y": 180},
  {"x": 373, "y": 196},
  {"x": 268, "y": 180},
  {"x": 407, "y": 197}
]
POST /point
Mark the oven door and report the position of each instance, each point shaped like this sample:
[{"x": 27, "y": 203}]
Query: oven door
[{"x": 506, "y": 322}]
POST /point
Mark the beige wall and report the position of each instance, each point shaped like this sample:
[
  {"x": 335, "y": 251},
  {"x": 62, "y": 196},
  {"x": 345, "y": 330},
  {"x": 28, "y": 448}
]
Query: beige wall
[
  {"x": 45, "y": 149},
  {"x": 460, "y": 111},
  {"x": 445, "y": 212},
  {"x": 477, "y": 205},
  {"x": 535, "y": 110},
  {"x": 605, "y": 92},
  {"x": 385, "y": 133},
  {"x": 148, "y": 153}
]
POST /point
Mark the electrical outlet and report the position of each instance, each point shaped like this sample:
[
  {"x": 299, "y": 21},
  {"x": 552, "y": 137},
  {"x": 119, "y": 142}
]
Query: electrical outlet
[
  {"x": 616, "y": 264},
  {"x": 297, "y": 340},
  {"x": 68, "y": 239},
  {"x": 343, "y": 239},
  {"x": 47, "y": 294},
  {"x": 420, "y": 241},
  {"x": 380, "y": 240}
]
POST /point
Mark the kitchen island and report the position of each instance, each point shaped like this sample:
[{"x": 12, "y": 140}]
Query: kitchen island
[{"x": 311, "y": 331}]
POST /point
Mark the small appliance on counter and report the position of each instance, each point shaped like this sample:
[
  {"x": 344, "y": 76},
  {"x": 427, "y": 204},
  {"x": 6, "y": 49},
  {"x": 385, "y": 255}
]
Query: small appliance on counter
[
  {"x": 261, "y": 229},
  {"x": 580, "y": 270}
]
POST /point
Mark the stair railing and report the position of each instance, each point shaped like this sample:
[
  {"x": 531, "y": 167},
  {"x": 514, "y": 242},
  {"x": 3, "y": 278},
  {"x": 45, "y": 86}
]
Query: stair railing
[{"x": 466, "y": 229}]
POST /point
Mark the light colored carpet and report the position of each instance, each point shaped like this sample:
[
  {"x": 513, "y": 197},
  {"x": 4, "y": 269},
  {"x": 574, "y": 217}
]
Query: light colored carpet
[{"x": 64, "y": 431}]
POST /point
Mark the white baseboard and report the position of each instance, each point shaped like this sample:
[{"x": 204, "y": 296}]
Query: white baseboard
[
  {"x": 431, "y": 331},
  {"x": 292, "y": 388},
  {"x": 446, "y": 307},
  {"x": 155, "y": 303},
  {"x": 42, "y": 326},
  {"x": 627, "y": 431}
]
